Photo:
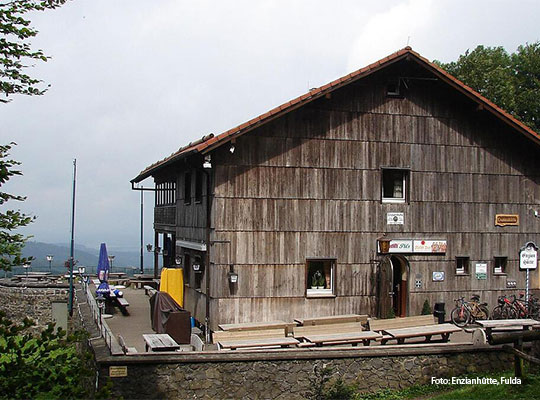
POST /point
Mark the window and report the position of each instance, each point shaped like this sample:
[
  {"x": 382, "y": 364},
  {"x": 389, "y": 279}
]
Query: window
[
  {"x": 198, "y": 268},
  {"x": 165, "y": 193},
  {"x": 321, "y": 276},
  {"x": 187, "y": 188},
  {"x": 198, "y": 186},
  {"x": 393, "y": 88},
  {"x": 499, "y": 266},
  {"x": 462, "y": 265},
  {"x": 394, "y": 185},
  {"x": 187, "y": 268}
]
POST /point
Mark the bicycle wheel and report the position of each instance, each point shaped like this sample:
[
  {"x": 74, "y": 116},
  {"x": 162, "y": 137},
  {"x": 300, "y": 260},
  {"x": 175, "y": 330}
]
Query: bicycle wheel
[
  {"x": 460, "y": 316},
  {"x": 509, "y": 312},
  {"x": 482, "y": 312},
  {"x": 497, "y": 312}
]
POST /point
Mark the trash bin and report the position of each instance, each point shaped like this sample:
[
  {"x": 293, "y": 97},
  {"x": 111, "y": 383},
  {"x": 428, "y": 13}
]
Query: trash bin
[{"x": 439, "y": 312}]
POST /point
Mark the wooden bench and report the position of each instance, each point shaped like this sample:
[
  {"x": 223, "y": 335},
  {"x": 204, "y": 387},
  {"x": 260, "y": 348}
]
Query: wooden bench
[
  {"x": 254, "y": 338},
  {"x": 125, "y": 348},
  {"x": 332, "y": 319},
  {"x": 122, "y": 304},
  {"x": 149, "y": 290},
  {"x": 302, "y": 332},
  {"x": 410, "y": 327},
  {"x": 255, "y": 326}
]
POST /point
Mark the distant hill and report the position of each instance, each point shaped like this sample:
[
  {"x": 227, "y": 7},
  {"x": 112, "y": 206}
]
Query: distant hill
[{"x": 86, "y": 256}]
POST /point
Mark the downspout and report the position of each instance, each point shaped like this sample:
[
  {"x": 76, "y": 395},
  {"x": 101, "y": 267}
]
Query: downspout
[{"x": 207, "y": 258}]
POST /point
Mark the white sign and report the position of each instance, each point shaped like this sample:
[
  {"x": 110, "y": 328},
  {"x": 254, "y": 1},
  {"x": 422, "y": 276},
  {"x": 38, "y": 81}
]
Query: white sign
[
  {"x": 395, "y": 218},
  {"x": 429, "y": 246},
  {"x": 528, "y": 257},
  {"x": 481, "y": 271},
  {"x": 438, "y": 276},
  {"x": 400, "y": 246}
]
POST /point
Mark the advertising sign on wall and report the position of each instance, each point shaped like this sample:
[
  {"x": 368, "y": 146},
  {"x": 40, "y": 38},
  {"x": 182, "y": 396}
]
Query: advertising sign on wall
[
  {"x": 481, "y": 271},
  {"x": 400, "y": 246},
  {"x": 395, "y": 218},
  {"x": 429, "y": 246}
]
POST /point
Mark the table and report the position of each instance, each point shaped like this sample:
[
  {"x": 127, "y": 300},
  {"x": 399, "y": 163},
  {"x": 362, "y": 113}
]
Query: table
[
  {"x": 524, "y": 324},
  {"x": 160, "y": 342},
  {"x": 418, "y": 331},
  {"x": 344, "y": 338}
]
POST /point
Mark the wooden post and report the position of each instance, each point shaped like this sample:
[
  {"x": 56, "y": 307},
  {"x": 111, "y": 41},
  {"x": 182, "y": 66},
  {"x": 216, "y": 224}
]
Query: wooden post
[
  {"x": 156, "y": 255},
  {"x": 518, "y": 362}
]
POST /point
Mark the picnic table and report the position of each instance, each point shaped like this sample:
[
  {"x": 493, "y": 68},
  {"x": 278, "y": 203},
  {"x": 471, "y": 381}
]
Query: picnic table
[
  {"x": 253, "y": 326},
  {"x": 524, "y": 324},
  {"x": 418, "y": 331},
  {"x": 258, "y": 342},
  {"x": 343, "y": 338},
  {"x": 160, "y": 342}
]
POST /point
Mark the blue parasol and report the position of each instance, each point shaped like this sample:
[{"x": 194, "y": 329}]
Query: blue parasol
[{"x": 103, "y": 264}]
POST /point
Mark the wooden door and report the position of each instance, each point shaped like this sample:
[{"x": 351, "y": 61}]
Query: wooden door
[{"x": 384, "y": 288}]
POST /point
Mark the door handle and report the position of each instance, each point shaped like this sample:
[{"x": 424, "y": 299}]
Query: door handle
[{"x": 391, "y": 293}]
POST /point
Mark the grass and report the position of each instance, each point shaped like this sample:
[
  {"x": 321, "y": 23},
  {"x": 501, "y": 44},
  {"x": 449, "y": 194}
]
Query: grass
[{"x": 528, "y": 389}]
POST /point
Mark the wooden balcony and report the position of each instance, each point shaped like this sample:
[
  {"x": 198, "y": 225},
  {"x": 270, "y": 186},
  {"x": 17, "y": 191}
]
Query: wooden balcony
[{"x": 165, "y": 215}]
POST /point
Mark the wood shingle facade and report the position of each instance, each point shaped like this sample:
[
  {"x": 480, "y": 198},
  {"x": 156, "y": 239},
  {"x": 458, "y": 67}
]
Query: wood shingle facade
[{"x": 397, "y": 153}]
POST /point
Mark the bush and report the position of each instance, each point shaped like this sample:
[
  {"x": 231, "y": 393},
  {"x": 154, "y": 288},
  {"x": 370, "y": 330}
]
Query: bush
[
  {"x": 426, "y": 308},
  {"x": 47, "y": 365}
]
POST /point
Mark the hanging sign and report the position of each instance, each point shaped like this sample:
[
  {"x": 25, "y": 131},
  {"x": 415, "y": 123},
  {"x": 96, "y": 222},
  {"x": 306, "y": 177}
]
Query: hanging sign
[
  {"x": 528, "y": 256},
  {"x": 507, "y": 220},
  {"x": 481, "y": 271},
  {"x": 429, "y": 246},
  {"x": 395, "y": 218}
]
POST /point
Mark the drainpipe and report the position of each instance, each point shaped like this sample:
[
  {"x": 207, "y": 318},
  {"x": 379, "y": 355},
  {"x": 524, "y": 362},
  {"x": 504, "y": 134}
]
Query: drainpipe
[{"x": 207, "y": 260}]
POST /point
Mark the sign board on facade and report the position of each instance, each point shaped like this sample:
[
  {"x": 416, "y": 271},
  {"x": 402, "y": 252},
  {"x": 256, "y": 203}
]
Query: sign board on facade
[
  {"x": 400, "y": 246},
  {"x": 395, "y": 218},
  {"x": 528, "y": 256},
  {"x": 410, "y": 246},
  {"x": 507, "y": 220},
  {"x": 118, "y": 371},
  {"x": 429, "y": 246},
  {"x": 481, "y": 270},
  {"x": 438, "y": 276}
]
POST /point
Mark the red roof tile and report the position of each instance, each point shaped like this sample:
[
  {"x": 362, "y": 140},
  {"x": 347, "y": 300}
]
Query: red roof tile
[{"x": 207, "y": 143}]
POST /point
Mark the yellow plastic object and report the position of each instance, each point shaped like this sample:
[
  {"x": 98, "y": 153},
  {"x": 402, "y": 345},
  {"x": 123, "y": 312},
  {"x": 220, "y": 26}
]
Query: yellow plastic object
[{"x": 172, "y": 282}]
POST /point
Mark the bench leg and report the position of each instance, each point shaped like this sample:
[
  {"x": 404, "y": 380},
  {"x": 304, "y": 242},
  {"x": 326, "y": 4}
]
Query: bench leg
[
  {"x": 383, "y": 341},
  {"x": 428, "y": 338},
  {"x": 445, "y": 337},
  {"x": 366, "y": 342},
  {"x": 401, "y": 340}
]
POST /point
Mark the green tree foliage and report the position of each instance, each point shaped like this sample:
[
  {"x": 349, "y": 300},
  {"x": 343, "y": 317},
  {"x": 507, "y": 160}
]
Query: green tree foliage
[
  {"x": 426, "y": 308},
  {"x": 16, "y": 54},
  {"x": 44, "y": 366},
  {"x": 11, "y": 243},
  {"x": 512, "y": 81}
]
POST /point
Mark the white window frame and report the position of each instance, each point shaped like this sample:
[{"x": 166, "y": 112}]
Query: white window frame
[
  {"x": 462, "y": 270},
  {"x": 326, "y": 291},
  {"x": 405, "y": 178},
  {"x": 501, "y": 270}
]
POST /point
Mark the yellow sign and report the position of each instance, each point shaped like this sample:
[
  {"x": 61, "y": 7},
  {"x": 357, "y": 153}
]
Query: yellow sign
[
  {"x": 507, "y": 220},
  {"x": 118, "y": 372}
]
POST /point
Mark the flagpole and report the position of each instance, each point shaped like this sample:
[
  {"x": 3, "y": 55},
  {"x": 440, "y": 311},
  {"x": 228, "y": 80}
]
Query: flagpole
[{"x": 70, "y": 301}]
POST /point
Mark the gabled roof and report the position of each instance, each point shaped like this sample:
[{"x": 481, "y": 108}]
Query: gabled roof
[{"x": 210, "y": 142}]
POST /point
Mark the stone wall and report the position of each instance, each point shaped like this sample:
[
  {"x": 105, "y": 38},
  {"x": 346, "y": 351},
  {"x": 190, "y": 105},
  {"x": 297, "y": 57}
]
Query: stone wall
[
  {"x": 20, "y": 301},
  {"x": 289, "y": 378}
]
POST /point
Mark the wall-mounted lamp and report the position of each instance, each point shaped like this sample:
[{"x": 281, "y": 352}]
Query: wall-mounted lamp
[
  {"x": 231, "y": 149},
  {"x": 384, "y": 244},
  {"x": 207, "y": 162},
  {"x": 197, "y": 268},
  {"x": 157, "y": 250},
  {"x": 178, "y": 260},
  {"x": 233, "y": 277}
]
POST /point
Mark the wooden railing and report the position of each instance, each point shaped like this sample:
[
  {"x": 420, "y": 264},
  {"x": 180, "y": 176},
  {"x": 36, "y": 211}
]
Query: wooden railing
[{"x": 165, "y": 215}]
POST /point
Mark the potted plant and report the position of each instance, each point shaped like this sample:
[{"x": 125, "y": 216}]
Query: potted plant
[{"x": 316, "y": 280}]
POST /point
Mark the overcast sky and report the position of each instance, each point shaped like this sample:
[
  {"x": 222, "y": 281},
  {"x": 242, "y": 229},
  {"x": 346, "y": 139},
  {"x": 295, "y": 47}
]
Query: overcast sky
[{"x": 132, "y": 81}]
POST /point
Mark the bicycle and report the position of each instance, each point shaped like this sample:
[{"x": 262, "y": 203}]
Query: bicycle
[
  {"x": 505, "y": 309},
  {"x": 467, "y": 312}
]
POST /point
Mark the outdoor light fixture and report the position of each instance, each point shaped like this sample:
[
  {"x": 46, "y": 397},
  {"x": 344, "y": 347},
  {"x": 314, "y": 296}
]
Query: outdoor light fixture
[
  {"x": 233, "y": 277},
  {"x": 82, "y": 270},
  {"x": 111, "y": 259},
  {"x": 207, "y": 162},
  {"x": 231, "y": 149},
  {"x": 178, "y": 260},
  {"x": 149, "y": 248},
  {"x": 384, "y": 244},
  {"x": 49, "y": 258},
  {"x": 197, "y": 268}
]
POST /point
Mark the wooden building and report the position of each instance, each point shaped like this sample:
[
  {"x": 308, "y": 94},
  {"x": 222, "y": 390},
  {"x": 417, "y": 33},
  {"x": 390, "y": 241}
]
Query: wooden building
[{"x": 392, "y": 185}]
